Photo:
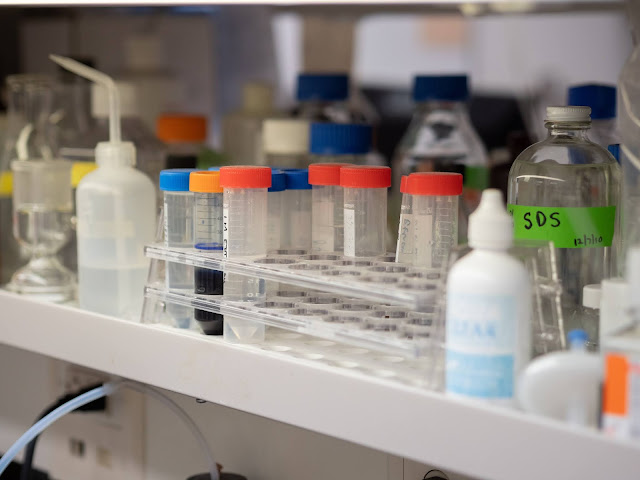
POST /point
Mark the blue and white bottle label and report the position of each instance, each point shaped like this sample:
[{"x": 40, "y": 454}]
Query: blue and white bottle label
[{"x": 481, "y": 343}]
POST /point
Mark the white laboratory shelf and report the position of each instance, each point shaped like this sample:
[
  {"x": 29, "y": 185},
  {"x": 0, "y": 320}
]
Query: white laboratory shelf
[{"x": 482, "y": 442}]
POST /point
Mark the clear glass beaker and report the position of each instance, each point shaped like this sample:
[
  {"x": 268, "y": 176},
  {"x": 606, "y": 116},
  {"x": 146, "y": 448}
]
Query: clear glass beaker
[
  {"x": 42, "y": 211},
  {"x": 30, "y": 132}
]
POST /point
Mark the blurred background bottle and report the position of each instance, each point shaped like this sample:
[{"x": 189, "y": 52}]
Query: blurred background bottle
[{"x": 440, "y": 138}]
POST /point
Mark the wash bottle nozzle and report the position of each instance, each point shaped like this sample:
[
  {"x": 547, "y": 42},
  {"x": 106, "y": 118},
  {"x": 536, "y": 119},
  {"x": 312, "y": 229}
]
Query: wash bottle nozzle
[{"x": 114, "y": 152}]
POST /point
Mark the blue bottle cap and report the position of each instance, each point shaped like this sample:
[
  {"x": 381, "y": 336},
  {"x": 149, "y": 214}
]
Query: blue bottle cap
[
  {"x": 577, "y": 336},
  {"x": 278, "y": 181},
  {"x": 452, "y": 88},
  {"x": 601, "y": 99},
  {"x": 214, "y": 169},
  {"x": 340, "y": 139},
  {"x": 614, "y": 149},
  {"x": 328, "y": 87},
  {"x": 297, "y": 179},
  {"x": 175, "y": 179}
]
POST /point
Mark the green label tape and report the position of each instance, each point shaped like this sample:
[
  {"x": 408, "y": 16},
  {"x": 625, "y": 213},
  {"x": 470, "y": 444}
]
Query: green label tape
[
  {"x": 476, "y": 178},
  {"x": 567, "y": 227}
]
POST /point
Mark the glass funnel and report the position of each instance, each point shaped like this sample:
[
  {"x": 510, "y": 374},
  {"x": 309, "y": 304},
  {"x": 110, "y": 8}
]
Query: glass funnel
[{"x": 42, "y": 210}]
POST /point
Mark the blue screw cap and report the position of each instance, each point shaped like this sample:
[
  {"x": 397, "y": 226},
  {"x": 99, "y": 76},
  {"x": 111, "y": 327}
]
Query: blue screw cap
[
  {"x": 297, "y": 179},
  {"x": 601, "y": 99},
  {"x": 175, "y": 179},
  {"x": 278, "y": 181},
  {"x": 329, "y": 87},
  {"x": 452, "y": 88},
  {"x": 614, "y": 149},
  {"x": 577, "y": 336},
  {"x": 340, "y": 139}
]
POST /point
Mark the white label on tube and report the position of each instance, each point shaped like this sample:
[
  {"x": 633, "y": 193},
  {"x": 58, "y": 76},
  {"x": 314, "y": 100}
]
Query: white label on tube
[
  {"x": 225, "y": 238},
  {"x": 423, "y": 240},
  {"x": 349, "y": 232},
  {"x": 404, "y": 250}
]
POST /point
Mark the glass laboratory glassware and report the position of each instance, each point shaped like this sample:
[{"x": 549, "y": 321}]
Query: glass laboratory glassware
[
  {"x": 566, "y": 189},
  {"x": 42, "y": 210},
  {"x": 29, "y": 135}
]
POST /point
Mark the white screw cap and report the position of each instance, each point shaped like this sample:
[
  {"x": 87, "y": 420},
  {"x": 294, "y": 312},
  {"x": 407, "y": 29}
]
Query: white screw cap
[
  {"x": 490, "y": 225},
  {"x": 100, "y": 100},
  {"x": 285, "y": 136},
  {"x": 568, "y": 114},
  {"x": 591, "y": 295}
]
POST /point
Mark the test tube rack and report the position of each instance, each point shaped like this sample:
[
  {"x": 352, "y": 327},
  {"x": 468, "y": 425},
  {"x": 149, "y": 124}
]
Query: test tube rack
[{"x": 373, "y": 303}]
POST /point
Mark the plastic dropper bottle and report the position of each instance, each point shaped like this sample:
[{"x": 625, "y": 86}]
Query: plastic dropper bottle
[
  {"x": 488, "y": 337},
  {"x": 116, "y": 208}
]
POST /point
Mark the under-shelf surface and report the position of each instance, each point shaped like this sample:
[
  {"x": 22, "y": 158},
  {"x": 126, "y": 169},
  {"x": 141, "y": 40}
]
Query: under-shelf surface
[{"x": 472, "y": 439}]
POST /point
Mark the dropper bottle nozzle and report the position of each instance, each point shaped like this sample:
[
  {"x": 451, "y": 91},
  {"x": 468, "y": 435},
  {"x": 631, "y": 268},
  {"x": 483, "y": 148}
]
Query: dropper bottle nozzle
[{"x": 115, "y": 151}]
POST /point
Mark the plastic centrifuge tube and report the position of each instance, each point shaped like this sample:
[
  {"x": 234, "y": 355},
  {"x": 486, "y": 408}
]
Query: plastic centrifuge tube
[
  {"x": 244, "y": 237},
  {"x": 434, "y": 208},
  {"x": 275, "y": 208},
  {"x": 404, "y": 249},
  {"x": 207, "y": 238},
  {"x": 296, "y": 212},
  {"x": 327, "y": 207},
  {"x": 178, "y": 232},
  {"x": 365, "y": 209}
]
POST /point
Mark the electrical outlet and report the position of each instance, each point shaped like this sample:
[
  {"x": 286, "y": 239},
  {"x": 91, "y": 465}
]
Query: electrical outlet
[{"x": 97, "y": 445}]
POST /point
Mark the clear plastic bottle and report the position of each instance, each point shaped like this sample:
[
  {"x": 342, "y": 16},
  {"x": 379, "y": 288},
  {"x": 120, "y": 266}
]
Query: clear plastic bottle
[
  {"x": 339, "y": 143},
  {"x": 286, "y": 143},
  {"x": 116, "y": 206},
  {"x": 324, "y": 97},
  {"x": 151, "y": 154},
  {"x": 602, "y": 101},
  {"x": 242, "y": 129},
  {"x": 244, "y": 237},
  {"x": 566, "y": 189},
  {"x": 440, "y": 138}
]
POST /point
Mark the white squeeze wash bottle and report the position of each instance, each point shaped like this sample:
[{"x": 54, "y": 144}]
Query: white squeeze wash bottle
[
  {"x": 116, "y": 213},
  {"x": 488, "y": 324}
]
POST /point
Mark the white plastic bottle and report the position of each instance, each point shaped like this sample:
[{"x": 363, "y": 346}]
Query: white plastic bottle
[
  {"x": 488, "y": 323},
  {"x": 116, "y": 211}
]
